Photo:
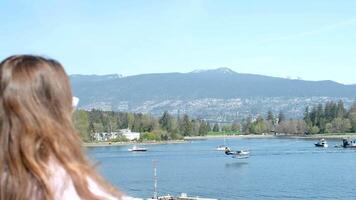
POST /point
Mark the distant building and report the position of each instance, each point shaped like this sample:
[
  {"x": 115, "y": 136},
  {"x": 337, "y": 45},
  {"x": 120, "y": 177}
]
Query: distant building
[
  {"x": 130, "y": 135},
  {"x": 114, "y": 135},
  {"x": 102, "y": 137}
]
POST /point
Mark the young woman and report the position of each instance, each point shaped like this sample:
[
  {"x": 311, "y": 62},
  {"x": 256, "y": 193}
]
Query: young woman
[{"x": 41, "y": 154}]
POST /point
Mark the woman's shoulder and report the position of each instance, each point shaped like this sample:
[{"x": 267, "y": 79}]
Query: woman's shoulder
[{"x": 63, "y": 187}]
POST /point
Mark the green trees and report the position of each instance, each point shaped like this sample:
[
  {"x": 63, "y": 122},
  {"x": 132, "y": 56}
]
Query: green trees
[
  {"x": 95, "y": 121},
  {"x": 352, "y": 117},
  {"x": 166, "y": 121},
  {"x": 292, "y": 127},
  {"x": 257, "y": 126},
  {"x": 269, "y": 124},
  {"x": 246, "y": 125},
  {"x": 235, "y": 127},
  {"x": 331, "y": 118},
  {"x": 216, "y": 127},
  {"x": 271, "y": 121},
  {"x": 341, "y": 111},
  {"x": 281, "y": 117},
  {"x": 203, "y": 128},
  {"x": 341, "y": 125},
  {"x": 314, "y": 130},
  {"x": 270, "y": 117},
  {"x": 166, "y": 127},
  {"x": 186, "y": 127},
  {"x": 81, "y": 123}
]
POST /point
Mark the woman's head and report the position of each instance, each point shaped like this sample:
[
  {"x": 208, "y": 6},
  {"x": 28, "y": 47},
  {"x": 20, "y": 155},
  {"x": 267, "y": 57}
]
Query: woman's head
[
  {"x": 36, "y": 127},
  {"x": 30, "y": 83},
  {"x": 34, "y": 90}
]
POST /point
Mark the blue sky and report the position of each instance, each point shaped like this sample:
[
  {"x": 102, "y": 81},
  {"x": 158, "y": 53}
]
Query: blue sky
[{"x": 311, "y": 39}]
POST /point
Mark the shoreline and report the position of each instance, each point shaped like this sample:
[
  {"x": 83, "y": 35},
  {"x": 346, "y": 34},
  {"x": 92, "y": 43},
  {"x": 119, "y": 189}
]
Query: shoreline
[
  {"x": 325, "y": 136},
  {"x": 209, "y": 137},
  {"x": 252, "y": 136},
  {"x": 108, "y": 144}
]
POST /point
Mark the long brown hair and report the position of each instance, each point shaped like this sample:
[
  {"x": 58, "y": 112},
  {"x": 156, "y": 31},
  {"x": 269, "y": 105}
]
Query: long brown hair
[{"x": 36, "y": 128}]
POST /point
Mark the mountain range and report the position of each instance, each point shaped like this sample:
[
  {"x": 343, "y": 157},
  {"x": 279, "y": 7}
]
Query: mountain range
[{"x": 117, "y": 92}]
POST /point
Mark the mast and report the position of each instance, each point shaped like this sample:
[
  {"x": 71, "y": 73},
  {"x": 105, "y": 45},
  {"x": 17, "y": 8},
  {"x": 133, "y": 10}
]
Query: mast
[{"x": 155, "y": 193}]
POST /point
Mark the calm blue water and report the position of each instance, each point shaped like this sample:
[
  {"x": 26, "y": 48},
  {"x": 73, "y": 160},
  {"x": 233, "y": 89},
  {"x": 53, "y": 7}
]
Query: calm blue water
[{"x": 276, "y": 169}]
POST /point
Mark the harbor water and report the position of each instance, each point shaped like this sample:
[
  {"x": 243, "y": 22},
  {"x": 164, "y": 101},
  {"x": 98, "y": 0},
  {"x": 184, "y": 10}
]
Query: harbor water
[{"x": 276, "y": 169}]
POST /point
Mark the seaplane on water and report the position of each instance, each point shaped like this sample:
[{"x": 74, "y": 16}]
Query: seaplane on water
[{"x": 237, "y": 154}]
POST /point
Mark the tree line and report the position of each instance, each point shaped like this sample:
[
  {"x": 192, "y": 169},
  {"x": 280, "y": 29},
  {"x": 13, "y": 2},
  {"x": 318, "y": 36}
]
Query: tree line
[
  {"x": 329, "y": 118},
  {"x": 166, "y": 127},
  {"x": 273, "y": 123}
]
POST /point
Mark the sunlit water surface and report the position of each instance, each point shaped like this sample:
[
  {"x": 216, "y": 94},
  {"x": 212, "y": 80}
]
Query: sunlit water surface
[{"x": 276, "y": 169}]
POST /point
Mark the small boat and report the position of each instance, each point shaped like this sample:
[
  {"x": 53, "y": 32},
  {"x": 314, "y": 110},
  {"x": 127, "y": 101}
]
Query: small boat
[
  {"x": 237, "y": 154},
  {"x": 321, "y": 143},
  {"x": 136, "y": 149},
  {"x": 346, "y": 143}
]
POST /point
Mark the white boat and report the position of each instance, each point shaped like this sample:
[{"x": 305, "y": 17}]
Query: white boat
[
  {"x": 136, "y": 148},
  {"x": 321, "y": 143},
  {"x": 348, "y": 143}
]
